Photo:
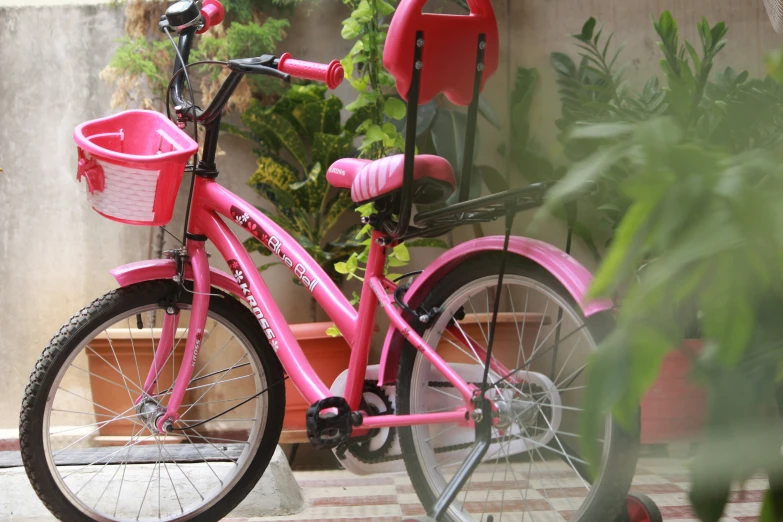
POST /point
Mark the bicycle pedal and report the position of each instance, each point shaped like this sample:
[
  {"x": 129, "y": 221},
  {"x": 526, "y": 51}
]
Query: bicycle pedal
[{"x": 329, "y": 429}]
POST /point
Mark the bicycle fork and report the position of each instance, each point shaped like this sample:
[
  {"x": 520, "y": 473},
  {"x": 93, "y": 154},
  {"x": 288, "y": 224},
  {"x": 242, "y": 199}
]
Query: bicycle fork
[{"x": 198, "y": 317}]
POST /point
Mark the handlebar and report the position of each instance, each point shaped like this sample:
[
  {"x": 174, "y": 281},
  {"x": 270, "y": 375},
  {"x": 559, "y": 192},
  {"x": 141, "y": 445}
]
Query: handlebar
[
  {"x": 331, "y": 74},
  {"x": 186, "y": 18},
  {"x": 212, "y": 14}
]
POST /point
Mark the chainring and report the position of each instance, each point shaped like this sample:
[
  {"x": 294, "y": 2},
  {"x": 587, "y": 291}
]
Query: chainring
[{"x": 363, "y": 449}]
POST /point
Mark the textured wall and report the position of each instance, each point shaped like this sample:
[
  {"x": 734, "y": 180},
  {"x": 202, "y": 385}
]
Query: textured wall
[{"x": 55, "y": 252}]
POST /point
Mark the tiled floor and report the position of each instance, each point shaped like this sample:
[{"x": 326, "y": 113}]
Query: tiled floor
[{"x": 339, "y": 495}]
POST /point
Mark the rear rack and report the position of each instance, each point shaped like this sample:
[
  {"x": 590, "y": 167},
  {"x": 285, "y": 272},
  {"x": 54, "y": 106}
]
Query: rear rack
[{"x": 487, "y": 208}]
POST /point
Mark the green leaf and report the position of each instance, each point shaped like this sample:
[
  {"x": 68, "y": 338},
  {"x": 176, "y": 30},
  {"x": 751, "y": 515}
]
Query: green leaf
[
  {"x": 351, "y": 29},
  {"x": 601, "y": 131},
  {"x": 728, "y": 315},
  {"x": 357, "y": 48},
  {"x": 363, "y": 13},
  {"x": 486, "y": 110},
  {"x": 328, "y": 148},
  {"x": 563, "y": 64},
  {"x": 374, "y": 134},
  {"x": 236, "y": 131},
  {"x": 585, "y": 171},
  {"x": 276, "y": 129},
  {"x": 493, "y": 179},
  {"x": 384, "y": 8},
  {"x": 587, "y": 31},
  {"x": 448, "y": 137},
  {"x": 401, "y": 252},
  {"x": 267, "y": 266},
  {"x": 625, "y": 253},
  {"x": 272, "y": 180},
  {"x": 394, "y": 108},
  {"x": 332, "y": 331}
]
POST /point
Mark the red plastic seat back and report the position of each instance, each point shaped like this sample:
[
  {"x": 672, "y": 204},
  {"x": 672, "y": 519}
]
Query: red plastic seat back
[{"x": 449, "y": 50}]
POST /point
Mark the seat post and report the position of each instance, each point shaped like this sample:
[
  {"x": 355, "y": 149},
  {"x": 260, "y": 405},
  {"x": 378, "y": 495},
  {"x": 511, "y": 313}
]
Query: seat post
[
  {"x": 406, "y": 203},
  {"x": 470, "y": 131}
]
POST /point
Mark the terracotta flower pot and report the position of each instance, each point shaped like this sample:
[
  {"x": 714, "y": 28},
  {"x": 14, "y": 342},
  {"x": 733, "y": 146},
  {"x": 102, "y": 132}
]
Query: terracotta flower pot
[
  {"x": 675, "y": 408},
  {"x": 102, "y": 364}
]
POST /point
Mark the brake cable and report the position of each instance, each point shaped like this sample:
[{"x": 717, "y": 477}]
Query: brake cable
[
  {"x": 188, "y": 66},
  {"x": 184, "y": 70}
]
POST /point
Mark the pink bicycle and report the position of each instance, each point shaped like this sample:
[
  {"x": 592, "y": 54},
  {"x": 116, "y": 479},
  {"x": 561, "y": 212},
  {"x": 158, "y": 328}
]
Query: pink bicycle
[{"x": 484, "y": 420}]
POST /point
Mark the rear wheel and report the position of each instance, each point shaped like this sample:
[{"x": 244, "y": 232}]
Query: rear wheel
[
  {"x": 87, "y": 429},
  {"x": 533, "y": 467}
]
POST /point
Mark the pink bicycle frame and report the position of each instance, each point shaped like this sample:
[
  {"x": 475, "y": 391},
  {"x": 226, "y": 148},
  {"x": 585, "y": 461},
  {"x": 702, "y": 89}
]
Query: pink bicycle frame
[{"x": 210, "y": 201}]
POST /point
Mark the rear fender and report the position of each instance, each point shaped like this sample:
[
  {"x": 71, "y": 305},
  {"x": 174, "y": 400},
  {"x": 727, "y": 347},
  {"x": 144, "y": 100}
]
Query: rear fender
[
  {"x": 572, "y": 275},
  {"x": 154, "y": 269}
]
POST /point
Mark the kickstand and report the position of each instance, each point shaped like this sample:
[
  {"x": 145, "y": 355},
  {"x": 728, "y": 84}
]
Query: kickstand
[{"x": 482, "y": 413}]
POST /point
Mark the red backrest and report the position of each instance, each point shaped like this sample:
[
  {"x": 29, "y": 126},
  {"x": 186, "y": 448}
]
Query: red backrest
[{"x": 449, "y": 50}]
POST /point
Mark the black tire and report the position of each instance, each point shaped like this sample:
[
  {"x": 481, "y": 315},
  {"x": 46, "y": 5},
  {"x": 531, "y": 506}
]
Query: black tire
[
  {"x": 85, "y": 323},
  {"x": 614, "y": 480}
]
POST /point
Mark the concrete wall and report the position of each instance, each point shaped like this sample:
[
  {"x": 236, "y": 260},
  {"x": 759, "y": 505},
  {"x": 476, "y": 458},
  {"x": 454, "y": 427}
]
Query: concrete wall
[{"x": 55, "y": 252}]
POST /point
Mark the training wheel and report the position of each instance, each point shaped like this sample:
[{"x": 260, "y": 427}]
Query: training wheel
[{"x": 641, "y": 508}]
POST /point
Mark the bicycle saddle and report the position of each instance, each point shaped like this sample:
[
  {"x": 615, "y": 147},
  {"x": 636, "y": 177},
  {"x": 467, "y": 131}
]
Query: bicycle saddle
[{"x": 368, "y": 180}]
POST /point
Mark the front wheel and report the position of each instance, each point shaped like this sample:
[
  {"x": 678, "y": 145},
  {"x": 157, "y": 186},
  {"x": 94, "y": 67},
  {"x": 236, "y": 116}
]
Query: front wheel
[
  {"x": 533, "y": 468},
  {"x": 87, "y": 429}
]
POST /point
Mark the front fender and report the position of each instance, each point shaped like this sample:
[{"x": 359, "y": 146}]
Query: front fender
[
  {"x": 153, "y": 269},
  {"x": 572, "y": 275}
]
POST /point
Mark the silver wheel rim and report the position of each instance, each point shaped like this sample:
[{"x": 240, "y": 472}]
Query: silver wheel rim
[
  {"x": 177, "y": 482},
  {"x": 535, "y": 490}
]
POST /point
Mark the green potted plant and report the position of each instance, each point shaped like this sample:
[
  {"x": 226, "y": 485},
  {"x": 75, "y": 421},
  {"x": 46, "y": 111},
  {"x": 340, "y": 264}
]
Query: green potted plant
[
  {"x": 702, "y": 182},
  {"x": 717, "y": 111}
]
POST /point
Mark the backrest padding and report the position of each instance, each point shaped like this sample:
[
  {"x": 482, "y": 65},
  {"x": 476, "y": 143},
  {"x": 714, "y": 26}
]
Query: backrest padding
[{"x": 449, "y": 50}]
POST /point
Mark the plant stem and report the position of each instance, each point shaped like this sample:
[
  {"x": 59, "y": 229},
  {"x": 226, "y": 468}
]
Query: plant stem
[{"x": 378, "y": 148}]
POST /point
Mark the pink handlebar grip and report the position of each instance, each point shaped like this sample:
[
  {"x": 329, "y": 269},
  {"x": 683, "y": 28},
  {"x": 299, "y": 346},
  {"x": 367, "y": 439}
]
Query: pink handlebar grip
[
  {"x": 213, "y": 12},
  {"x": 332, "y": 74}
]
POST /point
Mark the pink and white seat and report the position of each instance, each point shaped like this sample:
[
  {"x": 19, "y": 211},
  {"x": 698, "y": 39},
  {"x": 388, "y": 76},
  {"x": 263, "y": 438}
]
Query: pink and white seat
[{"x": 370, "y": 180}]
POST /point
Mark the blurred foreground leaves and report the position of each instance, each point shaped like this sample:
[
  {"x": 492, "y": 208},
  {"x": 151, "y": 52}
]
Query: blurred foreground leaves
[{"x": 703, "y": 185}]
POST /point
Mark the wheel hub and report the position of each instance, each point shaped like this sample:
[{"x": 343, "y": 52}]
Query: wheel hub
[
  {"x": 531, "y": 409},
  {"x": 522, "y": 411},
  {"x": 149, "y": 411}
]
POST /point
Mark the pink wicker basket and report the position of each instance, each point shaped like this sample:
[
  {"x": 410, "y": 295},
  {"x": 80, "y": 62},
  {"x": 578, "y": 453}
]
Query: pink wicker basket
[{"x": 133, "y": 164}]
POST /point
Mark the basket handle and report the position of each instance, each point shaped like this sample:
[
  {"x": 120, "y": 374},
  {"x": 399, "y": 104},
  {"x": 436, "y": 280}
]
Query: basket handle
[{"x": 93, "y": 172}]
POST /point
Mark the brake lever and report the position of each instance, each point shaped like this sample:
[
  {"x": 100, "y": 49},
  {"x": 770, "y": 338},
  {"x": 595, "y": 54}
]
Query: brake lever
[{"x": 263, "y": 65}]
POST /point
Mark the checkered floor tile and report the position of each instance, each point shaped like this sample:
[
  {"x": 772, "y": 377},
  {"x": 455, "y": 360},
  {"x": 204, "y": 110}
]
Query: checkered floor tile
[{"x": 339, "y": 495}]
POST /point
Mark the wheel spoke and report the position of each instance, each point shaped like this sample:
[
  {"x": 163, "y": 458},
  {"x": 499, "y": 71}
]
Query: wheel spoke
[
  {"x": 133, "y": 436},
  {"x": 173, "y": 487},
  {"x": 93, "y": 431},
  {"x": 555, "y": 458},
  {"x": 102, "y": 378},
  {"x": 96, "y": 461},
  {"x": 195, "y": 446},
  {"x": 133, "y": 350},
  {"x": 214, "y": 384}
]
